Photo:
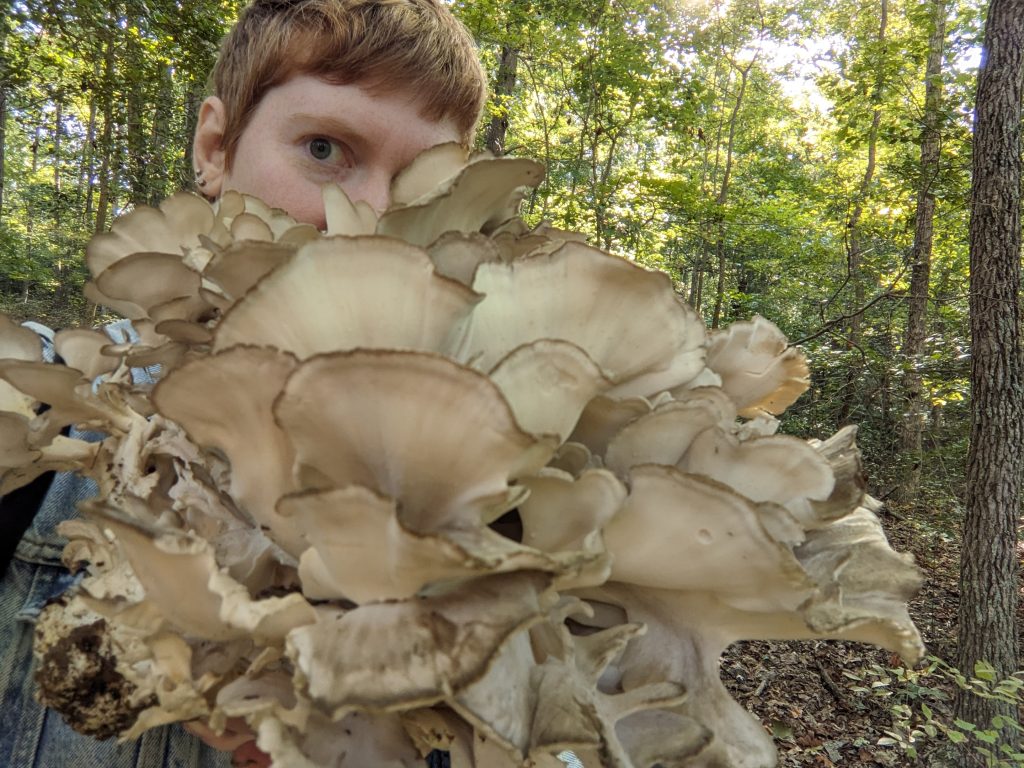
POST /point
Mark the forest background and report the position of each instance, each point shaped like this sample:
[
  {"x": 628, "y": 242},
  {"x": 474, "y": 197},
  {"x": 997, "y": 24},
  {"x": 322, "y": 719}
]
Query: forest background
[{"x": 806, "y": 160}]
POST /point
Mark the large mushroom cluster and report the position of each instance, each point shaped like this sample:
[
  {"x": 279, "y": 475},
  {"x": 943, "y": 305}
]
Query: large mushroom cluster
[{"x": 430, "y": 480}]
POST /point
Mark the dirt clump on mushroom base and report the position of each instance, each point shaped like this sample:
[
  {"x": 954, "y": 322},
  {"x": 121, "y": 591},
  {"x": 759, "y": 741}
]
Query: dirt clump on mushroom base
[{"x": 77, "y": 674}]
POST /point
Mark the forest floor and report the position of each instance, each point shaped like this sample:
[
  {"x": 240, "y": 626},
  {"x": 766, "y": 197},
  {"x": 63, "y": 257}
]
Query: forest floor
[{"x": 847, "y": 704}]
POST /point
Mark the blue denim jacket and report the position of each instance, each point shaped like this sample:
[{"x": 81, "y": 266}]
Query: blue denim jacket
[{"x": 32, "y": 736}]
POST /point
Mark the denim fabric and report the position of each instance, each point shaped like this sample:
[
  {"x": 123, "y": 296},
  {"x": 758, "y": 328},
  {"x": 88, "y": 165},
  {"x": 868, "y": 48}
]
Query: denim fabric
[
  {"x": 30, "y": 735},
  {"x": 34, "y": 737}
]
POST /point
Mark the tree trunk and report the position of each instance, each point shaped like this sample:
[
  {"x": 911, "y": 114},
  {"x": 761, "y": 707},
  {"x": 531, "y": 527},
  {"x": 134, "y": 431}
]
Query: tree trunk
[
  {"x": 160, "y": 138},
  {"x": 89, "y": 158},
  {"x": 915, "y": 407},
  {"x": 504, "y": 86},
  {"x": 723, "y": 195},
  {"x": 107, "y": 94},
  {"x": 58, "y": 267},
  {"x": 995, "y": 461},
  {"x": 855, "y": 247},
  {"x": 185, "y": 176},
  {"x": 3, "y": 135},
  {"x": 4, "y": 84},
  {"x": 137, "y": 156}
]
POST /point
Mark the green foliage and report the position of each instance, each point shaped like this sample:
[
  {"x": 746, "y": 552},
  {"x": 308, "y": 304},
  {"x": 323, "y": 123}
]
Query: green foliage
[
  {"x": 918, "y": 701},
  {"x": 687, "y": 135}
]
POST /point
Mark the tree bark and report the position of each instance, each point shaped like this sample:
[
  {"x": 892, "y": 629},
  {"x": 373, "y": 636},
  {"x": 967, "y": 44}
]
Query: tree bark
[
  {"x": 855, "y": 248},
  {"x": 995, "y": 462},
  {"x": 89, "y": 158},
  {"x": 3, "y": 135},
  {"x": 504, "y": 87},
  {"x": 4, "y": 85},
  {"x": 915, "y": 407},
  {"x": 107, "y": 94},
  {"x": 723, "y": 195}
]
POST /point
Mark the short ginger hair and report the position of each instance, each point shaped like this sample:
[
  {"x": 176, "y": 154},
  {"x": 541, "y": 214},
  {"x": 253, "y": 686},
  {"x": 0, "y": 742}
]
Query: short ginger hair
[{"x": 408, "y": 46}]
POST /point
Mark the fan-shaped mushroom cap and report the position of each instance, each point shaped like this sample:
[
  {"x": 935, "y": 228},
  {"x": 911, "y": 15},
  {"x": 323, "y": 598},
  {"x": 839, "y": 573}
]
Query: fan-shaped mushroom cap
[
  {"x": 780, "y": 469},
  {"x": 64, "y": 390},
  {"x": 240, "y": 266},
  {"x": 666, "y": 434},
  {"x": 710, "y": 539},
  {"x": 346, "y": 293},
  {"x": 758, "y": 371},
  {"x": 458, "y": 254},
  {"x": 562, "y": 513},
  {"x": 148, "y": 279},
  {"x": 361, "y": 550},
  {"x": 428, "y": 171},
  {"x": 484, "y": 193},
  {"x": 579, "y": 294},
  {"x": 436, "y": 461},
  {"x": 548, "y": 383},
  {"x": 169, "y": 565},
  {"x": 234, "y": 416},
  {"x": 82, "y": 349},
  {"x": 170, "y": 229},
  {"x": 437, "y": 644},
  {"x": 17, "y": 343}
]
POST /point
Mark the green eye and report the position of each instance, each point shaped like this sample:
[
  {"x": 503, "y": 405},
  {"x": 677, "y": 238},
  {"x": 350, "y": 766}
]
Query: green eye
[{"x": 320, "y": 148}]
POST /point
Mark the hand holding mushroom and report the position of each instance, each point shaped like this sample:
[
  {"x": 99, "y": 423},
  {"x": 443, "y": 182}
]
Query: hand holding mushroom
[{"x": 432, "y": 480}]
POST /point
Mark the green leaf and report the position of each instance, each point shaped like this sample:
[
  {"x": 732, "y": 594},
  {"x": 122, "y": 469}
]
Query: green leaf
[{"x": 985, "y": 671}]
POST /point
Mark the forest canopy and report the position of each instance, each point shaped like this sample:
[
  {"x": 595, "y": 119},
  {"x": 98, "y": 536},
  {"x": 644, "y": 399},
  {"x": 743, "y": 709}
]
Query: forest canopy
[{"x": 727, "y": 143}]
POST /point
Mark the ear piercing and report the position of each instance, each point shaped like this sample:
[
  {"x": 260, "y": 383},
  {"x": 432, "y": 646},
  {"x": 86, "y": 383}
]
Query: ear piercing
[{"x": 200, "y": 181}]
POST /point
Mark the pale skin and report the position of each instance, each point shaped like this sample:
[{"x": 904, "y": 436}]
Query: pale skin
[{"x": 306, "y": 133}]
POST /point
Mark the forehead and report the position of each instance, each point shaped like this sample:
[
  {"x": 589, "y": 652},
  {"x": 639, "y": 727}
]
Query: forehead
[{"x": 352, "y": 112}]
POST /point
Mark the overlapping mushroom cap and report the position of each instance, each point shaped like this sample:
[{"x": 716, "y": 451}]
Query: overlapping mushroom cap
[{"x": 432, "y": 480}]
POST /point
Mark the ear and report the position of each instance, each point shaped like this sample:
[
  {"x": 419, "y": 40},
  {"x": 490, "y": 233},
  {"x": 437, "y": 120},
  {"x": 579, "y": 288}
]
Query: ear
[{"x": 207, "y": 146}]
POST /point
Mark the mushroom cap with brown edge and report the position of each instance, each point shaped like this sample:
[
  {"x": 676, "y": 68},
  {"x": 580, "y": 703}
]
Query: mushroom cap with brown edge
[
  {"x": 175, "y": 226},
  {"x": 234, "y": 417},
  {"x": 415, "y": 427},
  {"x": 579, "y": 294},
  {"x": 361, "y": 550},
  {"x": 148, "y": 279},
  {"x": 82, "y": 349},
  {"x": 484, "y": 193},
  {"x": 759, "y": 371},
  {"x": 428, "y": 172},
  {"x": 240, "y": 266},
  {"x": 346, "y": 293}
]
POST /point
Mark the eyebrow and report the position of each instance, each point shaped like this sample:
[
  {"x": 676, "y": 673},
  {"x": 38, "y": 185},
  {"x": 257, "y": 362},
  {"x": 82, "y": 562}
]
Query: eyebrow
[{"x": 337, "y": 127}]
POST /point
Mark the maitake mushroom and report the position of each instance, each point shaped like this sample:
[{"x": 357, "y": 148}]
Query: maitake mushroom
[{"x": 431, "y": 480}]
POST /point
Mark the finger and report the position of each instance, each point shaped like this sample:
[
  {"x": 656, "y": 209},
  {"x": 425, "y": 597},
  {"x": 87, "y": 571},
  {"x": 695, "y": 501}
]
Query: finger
[
  {"x": 228, "y": 741},
  {"x": 249, "y": 756}
]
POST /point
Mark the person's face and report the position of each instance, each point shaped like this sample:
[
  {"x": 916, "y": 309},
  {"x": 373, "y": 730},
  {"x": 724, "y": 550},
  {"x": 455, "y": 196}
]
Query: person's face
[{"x": 306, "y": 133}]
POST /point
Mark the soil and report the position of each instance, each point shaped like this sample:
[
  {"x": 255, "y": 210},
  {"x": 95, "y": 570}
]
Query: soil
[{"x": 847, "y": 704}]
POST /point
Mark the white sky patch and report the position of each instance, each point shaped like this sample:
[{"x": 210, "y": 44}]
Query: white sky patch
[{"x": 797, "y": 66}]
